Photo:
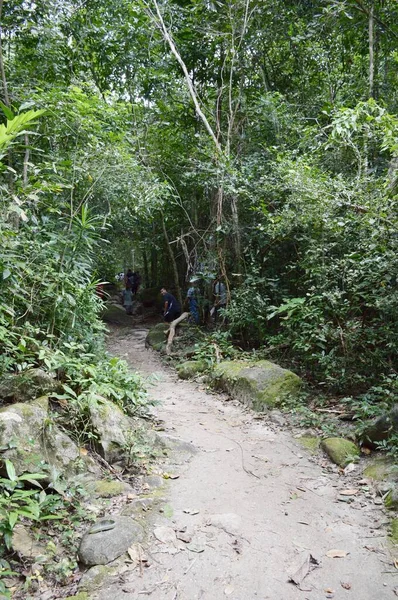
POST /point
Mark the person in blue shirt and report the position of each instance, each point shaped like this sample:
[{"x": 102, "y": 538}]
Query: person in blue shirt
[
  {"x": 172, "y": 308},
  {"x": 192, "y": 301}
]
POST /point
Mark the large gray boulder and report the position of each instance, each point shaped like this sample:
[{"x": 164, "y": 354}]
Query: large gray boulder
[
  {"x": 113, "y": 427},
  {"x": 106, "y": 545},
  {"x": 32, "y": 446},
  {"x": 26, "y": 386},
  {"x": 261, "y": 384},
  {"x": 381, "y": 428},
  {"x": 115, "y": 314}
]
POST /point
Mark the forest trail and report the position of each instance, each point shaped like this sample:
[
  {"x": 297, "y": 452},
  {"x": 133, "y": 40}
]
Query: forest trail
[{"x": 255, "y": 503}]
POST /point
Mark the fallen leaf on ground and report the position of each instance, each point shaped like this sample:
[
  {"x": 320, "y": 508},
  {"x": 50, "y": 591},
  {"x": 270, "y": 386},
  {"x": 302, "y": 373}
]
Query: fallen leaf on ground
[
  {"x": 309, "y": 565},
  {"x": 346, "y": 586},
  {"x": 134, "y": 554},
  {"x": 191, "y": 511},
  {"x": 334, "y": 553},
  {"x": 229, "y": 590},
  {"x": 349, "y": 492},
  {"x": 395, "y": 590}
]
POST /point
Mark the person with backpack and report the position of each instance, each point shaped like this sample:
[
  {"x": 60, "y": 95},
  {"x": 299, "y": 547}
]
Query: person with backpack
[{"x": 129, "y": 279}]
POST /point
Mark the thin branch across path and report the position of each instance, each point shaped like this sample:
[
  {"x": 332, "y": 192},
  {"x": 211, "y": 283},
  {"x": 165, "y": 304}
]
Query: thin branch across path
[{"x": 172, "y": 330}]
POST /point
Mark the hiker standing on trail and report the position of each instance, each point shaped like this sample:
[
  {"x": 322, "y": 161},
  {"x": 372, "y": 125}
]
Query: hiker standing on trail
[
  {"x": 172, "y": 308},
  {"x": 192, "y": 301},
  {"x": 128, "y": 300},
  {"x": 129, "y": 279},
  {"x": 136, "y": 277},
  {"x": 220, "y": 297}
]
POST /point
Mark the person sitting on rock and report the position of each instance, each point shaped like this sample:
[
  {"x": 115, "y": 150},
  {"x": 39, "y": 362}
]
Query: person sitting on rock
[{"x": 172, "y": 308}]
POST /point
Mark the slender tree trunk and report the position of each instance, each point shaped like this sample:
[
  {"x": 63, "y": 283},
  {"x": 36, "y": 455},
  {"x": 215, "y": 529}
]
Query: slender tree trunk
[
  {"x": 154, "y": 261},
  {"x": 26, "y": 161},
  {"x": 236, "y": 229},
  {"x": 173, "y": 262},
  {"x": 371, "y": 51},
  {"x": 370, "y": 81},
  {"x": 188, "y": 80},
  {"x": 146, "y": 269},
  {"x": 2, "y": 69}
]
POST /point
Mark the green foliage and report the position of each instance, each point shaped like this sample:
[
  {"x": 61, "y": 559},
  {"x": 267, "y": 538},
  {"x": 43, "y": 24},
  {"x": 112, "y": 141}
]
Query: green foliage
[
  {"x": 89, "y": 379},
  {"x": 17, "y": 503},
  {"x": 215, "y": 347}
]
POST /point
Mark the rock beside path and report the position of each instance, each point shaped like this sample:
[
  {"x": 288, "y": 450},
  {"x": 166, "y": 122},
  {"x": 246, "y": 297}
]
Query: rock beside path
[
  {"x": 112, "y": 427},
  {"x": 340, "y": 450},
  {"x": 190, "y": 368},
  {"x": 115, "y": 314},
  {"x": 30, "y": 445},
  {"x": 156, "y": 337},
  {"x": 259, "y": 385},
  {"x": 381, "y": 428},
  {"x": 103, "y": 547},
  {"x": 26, "y": 386}
]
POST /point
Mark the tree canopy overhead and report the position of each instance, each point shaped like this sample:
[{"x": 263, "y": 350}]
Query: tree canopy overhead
[{"x": 255, "y": 139}]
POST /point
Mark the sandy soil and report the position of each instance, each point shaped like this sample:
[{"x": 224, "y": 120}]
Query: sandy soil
[{"x": 255, "y": 503}]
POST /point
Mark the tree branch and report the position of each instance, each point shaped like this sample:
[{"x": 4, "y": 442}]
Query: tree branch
[{"x": 188, "y": 80}]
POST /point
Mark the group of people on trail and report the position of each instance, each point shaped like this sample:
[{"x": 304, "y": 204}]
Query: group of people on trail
[
  {"x": 172, "y": 308},
  {"x": 132, "y": 281}
]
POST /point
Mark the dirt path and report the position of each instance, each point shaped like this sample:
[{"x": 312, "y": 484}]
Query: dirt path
[{"x": 258, "y": 505}]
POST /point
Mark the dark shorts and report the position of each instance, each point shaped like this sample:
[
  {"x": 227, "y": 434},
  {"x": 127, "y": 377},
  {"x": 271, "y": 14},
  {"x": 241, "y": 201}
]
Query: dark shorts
[{"x": 171, "y": 316}]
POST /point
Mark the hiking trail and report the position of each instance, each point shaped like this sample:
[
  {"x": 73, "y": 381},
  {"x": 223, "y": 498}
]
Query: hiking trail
[{"x": 248, "y": 507}]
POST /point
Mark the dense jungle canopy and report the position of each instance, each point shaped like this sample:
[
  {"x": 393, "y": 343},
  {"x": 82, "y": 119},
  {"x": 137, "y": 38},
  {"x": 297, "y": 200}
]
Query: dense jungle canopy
[{"x": 253, "y": 138}]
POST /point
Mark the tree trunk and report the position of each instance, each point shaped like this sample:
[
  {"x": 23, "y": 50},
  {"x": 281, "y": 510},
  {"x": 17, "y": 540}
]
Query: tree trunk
[
  {"x": 371, "y": 50},
  {"x": 173, "y": 262},
  {"x": 2, "y": 69},
  {"x": 146, "y": 269},
  {"x": 154, "y": 261}
]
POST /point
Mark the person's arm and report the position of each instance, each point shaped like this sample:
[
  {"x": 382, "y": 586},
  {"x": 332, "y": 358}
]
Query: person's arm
[{"x": 166, "y": 306}]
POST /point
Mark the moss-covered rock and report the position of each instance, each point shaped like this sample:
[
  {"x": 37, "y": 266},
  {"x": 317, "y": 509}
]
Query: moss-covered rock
[
  {"x": 26, "y": 386},
  {"x": 94, "y": 577},
  {"x": 381, "y": 428},
  {"x": 190, "y": 368},
  {"x": 32, "y": 446},
  {"x": 258, "y": 384},
  {"x": 394, "y": 531},
  {"x": 107, "y": 489},
  {"x": 312, "y": 444},
  {"x": 340, "y": 450},
  {"x": 391, "y": 500},
  {"x": 113, "y": 428},
  {"x": 157, "y": 336},
  {"x": 116, "y": 315},
  {"x": 379, "y": 468}
]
